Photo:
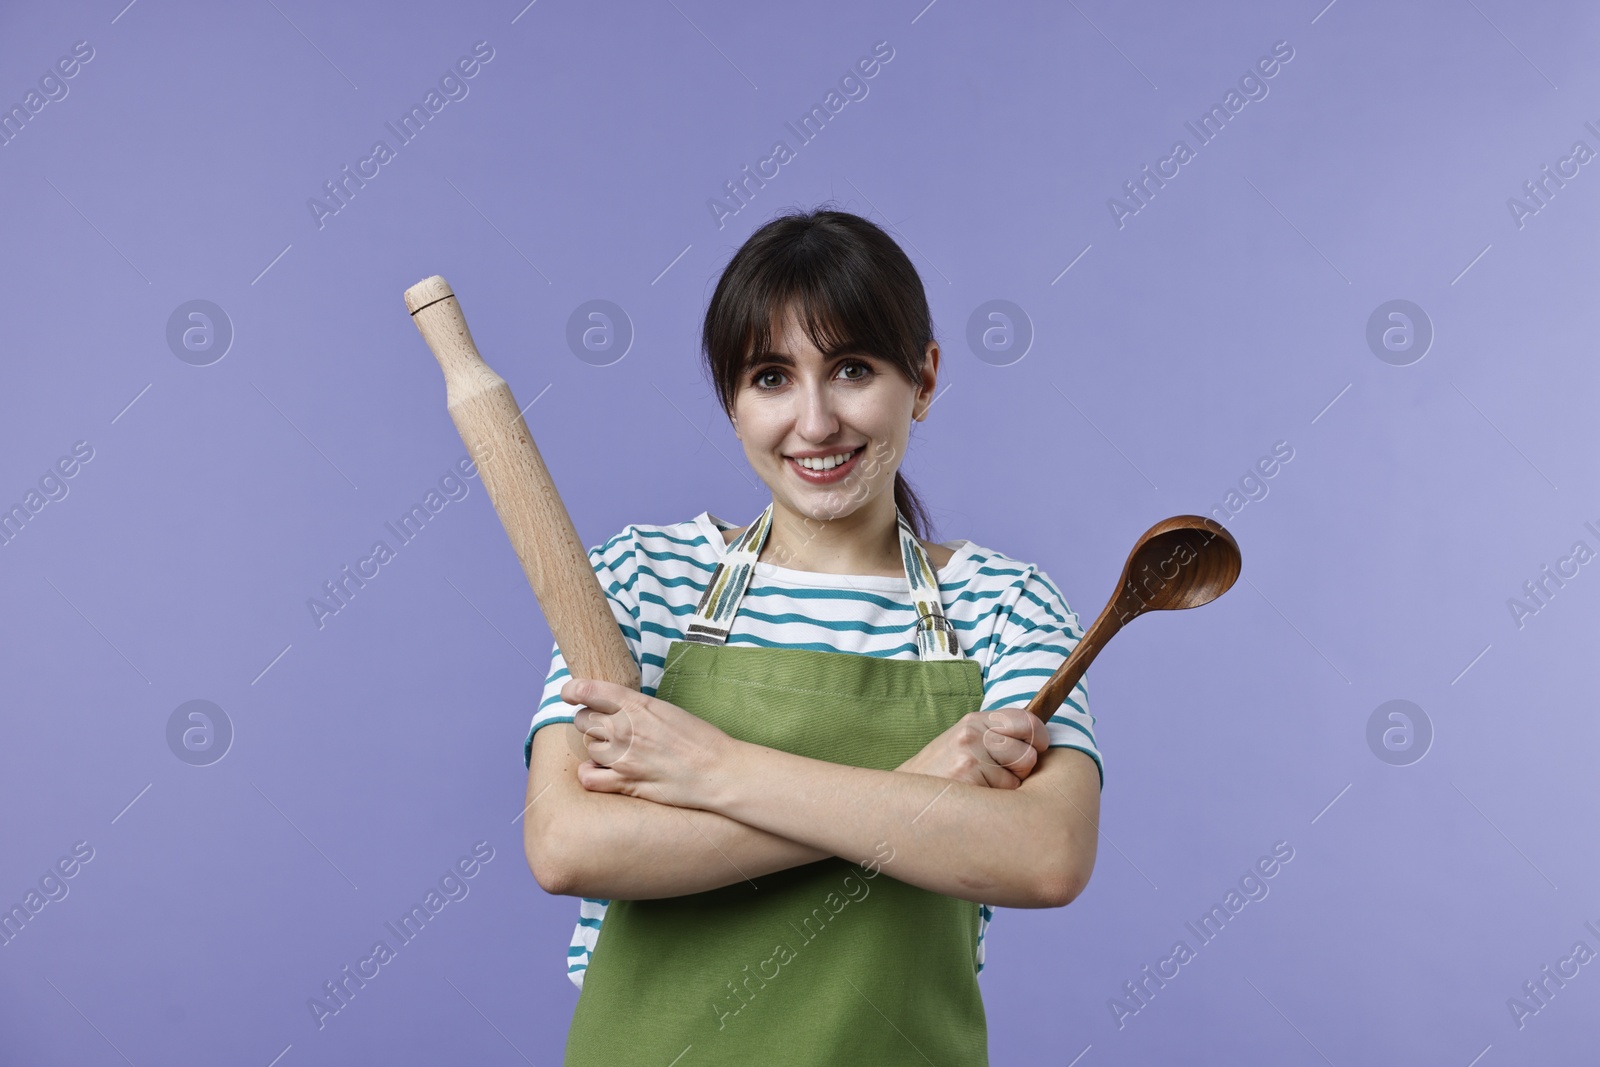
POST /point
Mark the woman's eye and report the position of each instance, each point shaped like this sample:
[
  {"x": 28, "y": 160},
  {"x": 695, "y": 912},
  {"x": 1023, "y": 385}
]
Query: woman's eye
[{"x": 761, "y": 378}]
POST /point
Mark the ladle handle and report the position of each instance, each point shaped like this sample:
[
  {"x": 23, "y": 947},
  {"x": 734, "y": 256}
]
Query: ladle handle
[{"x": 1049, "y": 697}]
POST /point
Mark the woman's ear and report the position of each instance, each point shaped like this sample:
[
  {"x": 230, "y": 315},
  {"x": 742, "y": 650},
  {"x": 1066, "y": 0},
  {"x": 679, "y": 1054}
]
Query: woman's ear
[{"x": 930, "y": 375}]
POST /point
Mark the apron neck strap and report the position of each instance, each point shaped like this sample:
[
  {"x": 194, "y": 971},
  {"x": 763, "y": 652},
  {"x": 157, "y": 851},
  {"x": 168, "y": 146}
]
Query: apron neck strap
[{"x": 713, "y": 617}]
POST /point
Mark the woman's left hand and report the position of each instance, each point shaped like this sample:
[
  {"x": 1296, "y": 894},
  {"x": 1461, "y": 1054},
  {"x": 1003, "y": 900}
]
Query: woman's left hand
[{"x": 641, "y": 746}]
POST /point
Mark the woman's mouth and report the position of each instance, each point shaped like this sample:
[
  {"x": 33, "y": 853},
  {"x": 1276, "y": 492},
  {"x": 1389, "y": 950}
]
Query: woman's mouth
[{"x": 816, "y": 475}]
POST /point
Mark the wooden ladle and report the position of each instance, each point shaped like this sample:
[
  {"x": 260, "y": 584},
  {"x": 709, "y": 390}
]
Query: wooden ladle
[{"x": 1181, "y": 562}]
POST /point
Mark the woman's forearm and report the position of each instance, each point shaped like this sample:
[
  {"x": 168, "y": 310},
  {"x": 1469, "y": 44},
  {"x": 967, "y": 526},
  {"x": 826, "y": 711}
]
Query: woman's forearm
[
  {"x": 1010, "y": 847},
  {"x": 629, "y": 848}
]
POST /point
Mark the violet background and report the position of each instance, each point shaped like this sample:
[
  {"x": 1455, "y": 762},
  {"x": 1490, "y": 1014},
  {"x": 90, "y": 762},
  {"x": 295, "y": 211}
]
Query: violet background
[{"x": 1227, "y": 315}]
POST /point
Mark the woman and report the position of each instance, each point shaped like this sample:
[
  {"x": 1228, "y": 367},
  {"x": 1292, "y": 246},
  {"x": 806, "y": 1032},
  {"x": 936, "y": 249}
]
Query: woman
[{"x": 783, "y": 839}]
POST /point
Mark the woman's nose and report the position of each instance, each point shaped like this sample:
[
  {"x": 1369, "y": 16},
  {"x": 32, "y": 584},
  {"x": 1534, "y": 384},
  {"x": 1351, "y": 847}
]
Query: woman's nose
[{"x": 817, "y": 420}]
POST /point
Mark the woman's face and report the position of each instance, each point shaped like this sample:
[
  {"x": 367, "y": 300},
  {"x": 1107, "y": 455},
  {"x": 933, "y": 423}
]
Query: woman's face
[{"x": 795, "y": 401}]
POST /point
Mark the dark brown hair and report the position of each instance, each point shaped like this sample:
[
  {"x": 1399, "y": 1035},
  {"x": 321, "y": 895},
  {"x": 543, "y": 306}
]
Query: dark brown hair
[{"x": 850, "y": 282}]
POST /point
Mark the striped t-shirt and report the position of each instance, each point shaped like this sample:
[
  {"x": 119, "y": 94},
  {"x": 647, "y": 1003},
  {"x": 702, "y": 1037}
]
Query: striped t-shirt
[{"x": 1008, "y": 615}]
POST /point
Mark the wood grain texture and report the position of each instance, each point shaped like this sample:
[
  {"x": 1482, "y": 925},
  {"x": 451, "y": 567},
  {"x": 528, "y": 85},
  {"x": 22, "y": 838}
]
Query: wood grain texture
[
  {"x": 1181, "y": 562},
  {"x": 523, "y": 493}
]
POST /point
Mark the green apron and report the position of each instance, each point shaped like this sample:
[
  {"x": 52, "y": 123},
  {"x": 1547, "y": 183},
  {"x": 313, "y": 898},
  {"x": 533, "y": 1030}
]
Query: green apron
[{"x": 832, "y": 962}]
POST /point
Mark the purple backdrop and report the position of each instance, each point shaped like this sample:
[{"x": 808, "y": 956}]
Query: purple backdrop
[{"x": 1376, "y": 256}]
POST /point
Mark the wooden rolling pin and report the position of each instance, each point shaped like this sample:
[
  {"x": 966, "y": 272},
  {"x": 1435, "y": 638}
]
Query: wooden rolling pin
[{"x": 553, "y": 558}]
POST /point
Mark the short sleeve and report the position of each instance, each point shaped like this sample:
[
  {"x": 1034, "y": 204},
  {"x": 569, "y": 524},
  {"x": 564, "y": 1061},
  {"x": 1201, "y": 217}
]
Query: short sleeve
[
  {"x": 1036, "y": 633},
  {"x": 615, "y": 564}
]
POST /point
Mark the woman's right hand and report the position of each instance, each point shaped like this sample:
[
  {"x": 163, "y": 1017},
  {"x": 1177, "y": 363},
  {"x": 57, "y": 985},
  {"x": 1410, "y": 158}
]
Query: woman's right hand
[{"x": 996, "y": 749}]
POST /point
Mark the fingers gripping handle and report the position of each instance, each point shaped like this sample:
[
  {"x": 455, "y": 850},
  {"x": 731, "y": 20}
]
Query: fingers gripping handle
[{"x": 523, "y": 493}]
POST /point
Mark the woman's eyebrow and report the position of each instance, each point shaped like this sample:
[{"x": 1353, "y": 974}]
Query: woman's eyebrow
[{"x": 783, "y": 359}]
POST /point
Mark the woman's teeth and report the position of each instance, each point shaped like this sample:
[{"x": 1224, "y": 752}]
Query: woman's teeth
[{"x": 826, "y": 462}]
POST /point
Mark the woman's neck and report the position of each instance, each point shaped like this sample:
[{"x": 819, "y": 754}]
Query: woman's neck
[{"x": 865, "y": 542}]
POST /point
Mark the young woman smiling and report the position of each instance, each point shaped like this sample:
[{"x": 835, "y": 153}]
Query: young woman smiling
[{"x": 824, "y": 691}]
